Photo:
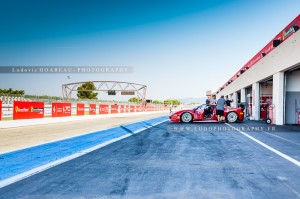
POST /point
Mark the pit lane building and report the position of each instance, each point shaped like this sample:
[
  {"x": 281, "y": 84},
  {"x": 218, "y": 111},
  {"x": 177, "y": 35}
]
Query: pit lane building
[{"x": 269, "y": 83}]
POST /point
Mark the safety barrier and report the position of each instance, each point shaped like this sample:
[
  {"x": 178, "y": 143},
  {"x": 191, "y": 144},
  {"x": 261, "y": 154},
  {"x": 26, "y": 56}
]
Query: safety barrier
[
  {"x": 0, "y": 110},
  {"x": 103, "y": 109},
  {"x": 29, "y": 110},
  {"x": 80, "y": 109},
  {"x": 60, "y": 109},
  {"x": 92, "y": 110}
]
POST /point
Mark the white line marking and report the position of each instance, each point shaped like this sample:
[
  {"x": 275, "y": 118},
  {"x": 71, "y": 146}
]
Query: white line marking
[
  {"x": 293, "y": 190},
  {"x": 268, "y": 147},
  {"x": 277, "y": 136},
  {"x": 37, "y": 170}
]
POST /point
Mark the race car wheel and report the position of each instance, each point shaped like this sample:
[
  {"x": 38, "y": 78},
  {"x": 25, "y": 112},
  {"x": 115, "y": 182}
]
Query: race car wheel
[
  {"x": 186, "y": 117},
  {"x": 231, "y": 117}
]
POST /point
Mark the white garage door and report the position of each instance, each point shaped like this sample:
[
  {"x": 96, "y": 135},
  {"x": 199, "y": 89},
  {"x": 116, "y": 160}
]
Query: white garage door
[{"x": 292, "y": 102}]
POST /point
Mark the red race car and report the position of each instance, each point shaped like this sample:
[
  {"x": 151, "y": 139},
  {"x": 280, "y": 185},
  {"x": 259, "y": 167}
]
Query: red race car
[{"x": 207, "y": 113}]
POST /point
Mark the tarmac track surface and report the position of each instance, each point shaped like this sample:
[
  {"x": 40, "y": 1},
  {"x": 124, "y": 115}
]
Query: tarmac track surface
[{"x": 170, "y": 160}]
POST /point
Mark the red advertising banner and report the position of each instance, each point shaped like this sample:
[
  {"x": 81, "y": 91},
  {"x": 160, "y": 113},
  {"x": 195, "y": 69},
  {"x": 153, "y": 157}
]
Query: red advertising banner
[
  {"x": 127, "y": 109},
  {"x": 122, "y": 109},
  {"x": 80, "y": 109},
  {"x": 61, "y": 109},
  {"x": 137, "y": 109},
  {"x": 92, "y": 109},
  {"x": 131, "y": 109},
  {"x": 113, "y": 109},
  {"x": 0, "y": 110},
  {"x": 28, "y": 110},
  {"x": 103, "y": 109},
  {"x": 291, "y": 28}
]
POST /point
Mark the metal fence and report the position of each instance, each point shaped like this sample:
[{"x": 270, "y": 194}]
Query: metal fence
[{"x": 10, "y": 98}]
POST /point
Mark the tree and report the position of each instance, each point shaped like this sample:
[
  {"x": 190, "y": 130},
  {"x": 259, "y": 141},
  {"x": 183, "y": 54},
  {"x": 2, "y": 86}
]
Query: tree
[
  {"x": 157, "y": 102},
  {"x": 11, "y": 91},
  {"x": 173, "y": 102},
  {"x": 134, "y": 100},
  {"x": 85, "y": 91}
]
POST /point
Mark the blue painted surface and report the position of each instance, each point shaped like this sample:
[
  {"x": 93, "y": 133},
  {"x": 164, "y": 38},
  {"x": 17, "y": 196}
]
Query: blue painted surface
[{"x": 20, "y": 161}]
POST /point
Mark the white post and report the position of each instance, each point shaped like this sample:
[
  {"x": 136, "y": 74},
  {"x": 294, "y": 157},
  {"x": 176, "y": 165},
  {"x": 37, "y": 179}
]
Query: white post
[
  {"x": 278, "y": 93},
  {"x": 234, "y": 97},
  {"x": 243, "y": 95},
  {"x": 255, "y": 101}
]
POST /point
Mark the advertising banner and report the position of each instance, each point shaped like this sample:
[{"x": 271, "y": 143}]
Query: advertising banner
[
  {"x": 60, "y": 109},
  {"x": 114, "y": 109},
  {"x": 28, "y": 110},
  {"x": 127, "y": 109},
  {"x": 92, "y": 109},
  {"x": 0, "y": 110},
  {"x": 291, "y": 28},
  {"x": 137, "y": 109},
  {"x": 131, "y": 109},
  {"x": 122, "y": 109},
  {"x": 80, "y": 109},
  {"x": 103, "y": 109},
  {"x": 153, "y": 108}
]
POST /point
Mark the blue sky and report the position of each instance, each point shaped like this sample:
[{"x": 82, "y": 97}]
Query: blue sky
[{"x": 177, "y": 48}]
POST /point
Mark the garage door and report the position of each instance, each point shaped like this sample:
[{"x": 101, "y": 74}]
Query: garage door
[{"x": 292, "y": 102}]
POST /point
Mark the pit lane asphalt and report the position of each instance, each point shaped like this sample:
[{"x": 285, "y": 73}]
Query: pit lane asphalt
[{"x": 171, "y": 160}]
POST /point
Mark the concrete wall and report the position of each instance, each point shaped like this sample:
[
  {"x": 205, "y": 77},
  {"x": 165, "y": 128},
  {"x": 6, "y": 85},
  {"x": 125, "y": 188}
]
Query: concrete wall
[{"x": 266, "y": 90}]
